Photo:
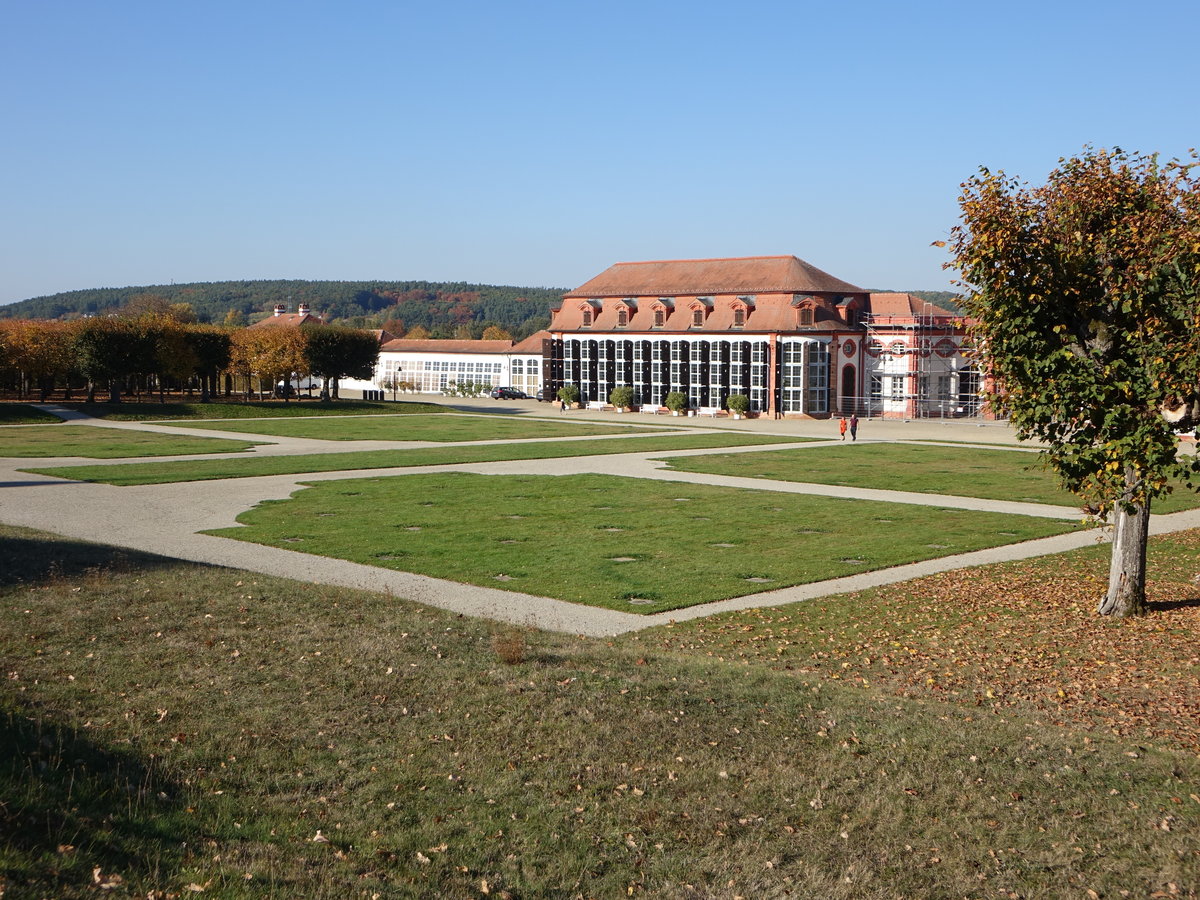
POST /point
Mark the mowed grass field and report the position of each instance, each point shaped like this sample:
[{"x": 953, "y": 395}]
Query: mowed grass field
[
  {"x": 96, "y": 442},
  {"x": 203, "y": 470},
  {"x": 1011, "y": 475},
  {"x": 178, "y": 730},
  {"x": 442, "y": 428},
  {"x": 622, "y": 543},
  {"x": 149, "y": 410}
]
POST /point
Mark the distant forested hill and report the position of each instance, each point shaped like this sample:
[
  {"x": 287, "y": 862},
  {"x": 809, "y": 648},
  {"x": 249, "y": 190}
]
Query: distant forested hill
[
  {"x": 444, "y": 309},
  {"x": 438, "y": 307}
]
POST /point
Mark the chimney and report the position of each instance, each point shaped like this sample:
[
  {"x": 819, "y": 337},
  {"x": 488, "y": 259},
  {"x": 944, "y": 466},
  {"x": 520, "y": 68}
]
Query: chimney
[
  {"x": 302, "y": 309},
  {"x": 280, "y": 309}
]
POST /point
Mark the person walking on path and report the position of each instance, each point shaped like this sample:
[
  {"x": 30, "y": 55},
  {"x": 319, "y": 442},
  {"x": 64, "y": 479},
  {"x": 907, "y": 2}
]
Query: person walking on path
[
  {"x": 854, "y": 428},
  {"x": 562, "y": 405},
  {"x": 842, "y": 427}
]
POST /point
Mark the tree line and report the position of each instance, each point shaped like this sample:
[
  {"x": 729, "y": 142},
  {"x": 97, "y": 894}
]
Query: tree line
[
  {"x": 439, "y": 307},
  {"x": 157, "y": 353}
]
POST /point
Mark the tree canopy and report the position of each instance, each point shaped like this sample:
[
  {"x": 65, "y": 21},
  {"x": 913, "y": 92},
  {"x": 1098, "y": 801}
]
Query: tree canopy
[
  {"x": 333, "y": 352},
  {"x": 1082, "y": 295}
]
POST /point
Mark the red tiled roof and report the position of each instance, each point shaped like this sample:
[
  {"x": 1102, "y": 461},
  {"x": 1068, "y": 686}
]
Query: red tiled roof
[
  {"x": 703, "y": 277},
  {"x": 286, "y": 319},
  {"x": 905, "y": 306},
  {"x": 532, "y": 344},
  {"x": 768, "y": 312},
  {"x": 434, "y": 345}
]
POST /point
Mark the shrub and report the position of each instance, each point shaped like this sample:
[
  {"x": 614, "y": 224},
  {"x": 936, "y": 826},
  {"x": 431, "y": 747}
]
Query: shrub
[
  {"x": 569, "y": 393},
  {"x": 738, "y": 403},
  {"x": 621, "y": 397},
  {"x": 676, "y": 401}
]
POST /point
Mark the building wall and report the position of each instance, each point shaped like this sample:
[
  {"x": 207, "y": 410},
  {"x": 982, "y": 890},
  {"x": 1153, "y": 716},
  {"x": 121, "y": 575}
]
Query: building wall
[
  {"x": 707, "y": 368},
  {"x": 432, "y": 371},
  {"x": 897, "y": 371}
]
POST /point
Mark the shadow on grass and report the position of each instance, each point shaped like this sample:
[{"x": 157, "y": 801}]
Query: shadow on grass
[
  {"x": 30, "y": 560},
  {"x": 76, "y": 816},
  {"x": 1169, "y": 605},
  {"x": 25, "y": 414}
]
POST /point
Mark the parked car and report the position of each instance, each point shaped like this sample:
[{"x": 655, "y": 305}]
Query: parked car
[
  {"x": 503, "y": 393},
  {"x": 545, "y": 395}
]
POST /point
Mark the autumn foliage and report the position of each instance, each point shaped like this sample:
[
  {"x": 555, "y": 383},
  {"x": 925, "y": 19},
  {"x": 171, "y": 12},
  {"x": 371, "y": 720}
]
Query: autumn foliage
[{"x": 1083, "y": 298}]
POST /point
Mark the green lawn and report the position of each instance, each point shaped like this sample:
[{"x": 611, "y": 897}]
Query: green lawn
[
  {"x": 173, "y": 730},
  {"x": 152, "y": 410},
  {"x": 442, "y": 428},
  {"x": 1012, "y": 475},
  {"x": 25, "y": 414},
  {"x": 629, "y": 544},
  {"x": 203, "y": 470},
  {"x": 107, "y": 443}
]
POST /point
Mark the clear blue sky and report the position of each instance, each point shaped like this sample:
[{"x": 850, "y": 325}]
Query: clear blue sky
[{"x": 537, "y": 143}]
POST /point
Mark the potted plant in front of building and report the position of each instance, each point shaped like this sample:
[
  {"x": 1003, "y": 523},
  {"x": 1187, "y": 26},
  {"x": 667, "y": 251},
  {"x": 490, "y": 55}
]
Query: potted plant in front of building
[
  {"x": 738, "y": 404},
  {"x": 676, "y": 402},
  {"x": 622, "y": 398},
  {"x": 569, "y": 394}
]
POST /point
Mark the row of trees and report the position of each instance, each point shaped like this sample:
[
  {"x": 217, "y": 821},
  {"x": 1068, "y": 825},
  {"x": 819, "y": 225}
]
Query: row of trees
[
  {"x": 439, "y": 307},
  {"x": 118, "y": 355}
]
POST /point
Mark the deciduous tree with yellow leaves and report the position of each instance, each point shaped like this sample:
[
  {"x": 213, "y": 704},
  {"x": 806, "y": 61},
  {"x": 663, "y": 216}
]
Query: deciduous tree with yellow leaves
[{"x": 1083, "y": 299}]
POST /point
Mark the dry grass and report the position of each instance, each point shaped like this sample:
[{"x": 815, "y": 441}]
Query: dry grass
[
  {"x": 509, "y": 645},
  {"x": 1022, "y": 637},
  {"x": 192, "y": 730}
]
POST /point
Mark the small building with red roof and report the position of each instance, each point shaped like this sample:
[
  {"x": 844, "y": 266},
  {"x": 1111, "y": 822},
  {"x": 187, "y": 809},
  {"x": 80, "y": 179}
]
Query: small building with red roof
[
  {"x": 281, "y": 318},
  {"x": 434, "y": 366}
]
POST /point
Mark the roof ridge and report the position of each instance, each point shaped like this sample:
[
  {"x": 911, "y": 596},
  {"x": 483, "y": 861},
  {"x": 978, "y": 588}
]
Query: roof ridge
[{"x": 650, "y": 262}]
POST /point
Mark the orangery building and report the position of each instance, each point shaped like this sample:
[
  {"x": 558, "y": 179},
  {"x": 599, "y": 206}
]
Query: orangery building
[{"x": 795, "y": 340}]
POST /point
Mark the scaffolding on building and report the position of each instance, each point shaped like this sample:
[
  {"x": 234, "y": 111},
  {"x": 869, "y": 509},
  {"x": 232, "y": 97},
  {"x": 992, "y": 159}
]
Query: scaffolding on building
[{"x": 924, "y": 391}]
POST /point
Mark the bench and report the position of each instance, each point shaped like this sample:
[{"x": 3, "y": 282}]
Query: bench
[
  {"x": 712, "y": 411},
  {"x": 596, "y": 404}
]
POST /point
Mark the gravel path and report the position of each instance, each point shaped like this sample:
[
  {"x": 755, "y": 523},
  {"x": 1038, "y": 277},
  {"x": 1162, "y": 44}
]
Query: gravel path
[{"x": 165, "y": 519}]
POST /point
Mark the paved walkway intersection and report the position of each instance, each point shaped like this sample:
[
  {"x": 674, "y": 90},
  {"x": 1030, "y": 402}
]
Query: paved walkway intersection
[{"x": 165, "y": 519}]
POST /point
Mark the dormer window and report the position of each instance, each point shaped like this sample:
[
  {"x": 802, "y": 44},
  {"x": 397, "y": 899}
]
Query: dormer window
[
  {"x": 739, "y": 316},
  {"x": 806, "y": 315},
  {"x": 660, "y": 316},
  {"x": 622, "y": 316},
  {"x": 587, "y": 317},
  {"x": 698, "y": 317}
]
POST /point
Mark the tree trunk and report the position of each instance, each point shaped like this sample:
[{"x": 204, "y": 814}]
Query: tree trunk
[{"x": 1127, "y": 570}]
